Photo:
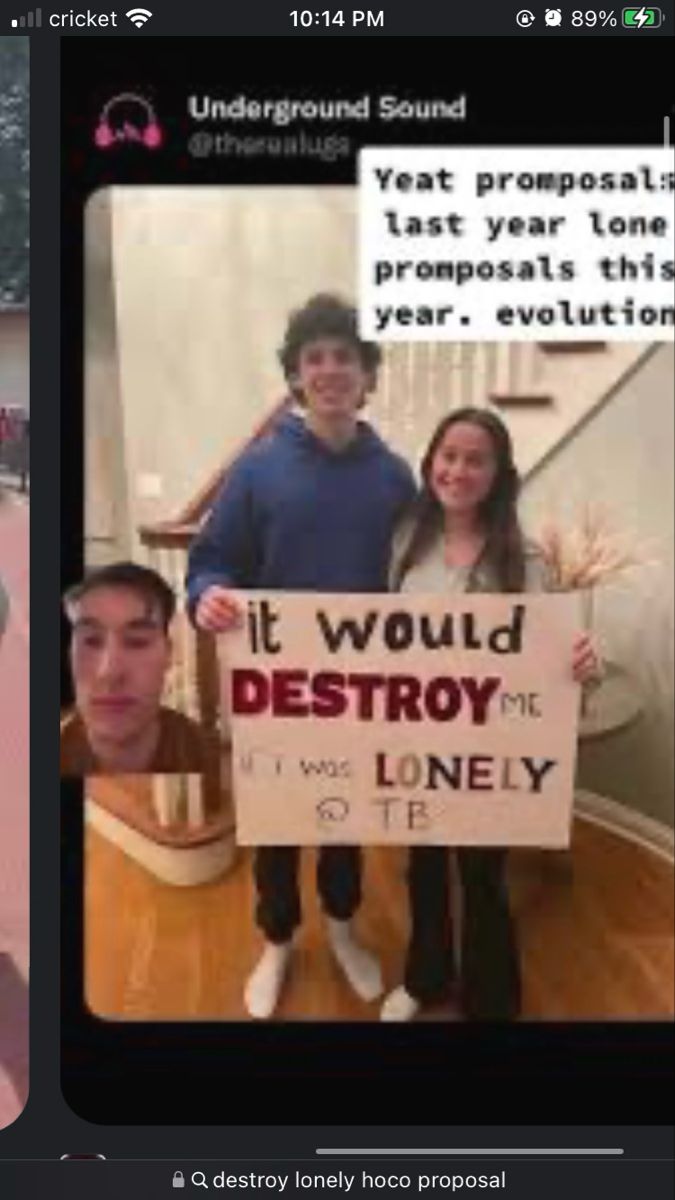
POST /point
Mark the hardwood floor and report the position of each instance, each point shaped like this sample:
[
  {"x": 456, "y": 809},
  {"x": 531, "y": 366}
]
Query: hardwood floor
[{"x": 596, "y": 933}]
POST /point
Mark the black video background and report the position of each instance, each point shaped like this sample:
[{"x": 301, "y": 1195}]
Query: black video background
[{"x": 537, "y": 92}]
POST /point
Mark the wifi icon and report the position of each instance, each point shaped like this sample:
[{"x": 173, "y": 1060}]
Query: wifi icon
[{"x": 138, "y": 16}]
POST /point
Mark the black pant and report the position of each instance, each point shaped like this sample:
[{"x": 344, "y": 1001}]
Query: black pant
[
  {"x": 276, "y": 875},
  {"x": 490, "y": 972}
]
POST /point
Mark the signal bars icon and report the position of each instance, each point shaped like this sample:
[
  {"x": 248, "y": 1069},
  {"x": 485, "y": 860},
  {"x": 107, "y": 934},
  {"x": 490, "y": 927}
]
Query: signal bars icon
[
  {"x": 138, "y": 16},
  {"x": 31, "y": 20}
]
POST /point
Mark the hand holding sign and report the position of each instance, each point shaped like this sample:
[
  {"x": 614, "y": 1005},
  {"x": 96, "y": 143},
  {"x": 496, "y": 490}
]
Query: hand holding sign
[
  {"x": 218, "y": 610},
  {"x": 585, "y": 661}
]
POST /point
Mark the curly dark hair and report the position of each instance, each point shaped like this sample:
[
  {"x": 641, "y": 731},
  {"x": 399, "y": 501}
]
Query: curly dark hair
[
  {"x": 325, "y": 316},
  {"x": 143, "y": 580},
  {"x": 504, "y": 551}
]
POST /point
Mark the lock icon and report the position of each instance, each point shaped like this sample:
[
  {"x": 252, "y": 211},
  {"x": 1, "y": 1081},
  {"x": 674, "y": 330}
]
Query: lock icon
[{"x": 178, "y": 1179}]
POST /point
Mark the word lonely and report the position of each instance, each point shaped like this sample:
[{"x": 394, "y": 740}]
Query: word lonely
[
  {"x": 461, "y": 772},
  {"x": 367, "y": 695}
]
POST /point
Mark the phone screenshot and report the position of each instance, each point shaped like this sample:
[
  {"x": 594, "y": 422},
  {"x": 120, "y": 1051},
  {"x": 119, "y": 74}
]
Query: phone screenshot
[
  {"x": 354, "y": 330},
  {"x": 14, "y": 581}
]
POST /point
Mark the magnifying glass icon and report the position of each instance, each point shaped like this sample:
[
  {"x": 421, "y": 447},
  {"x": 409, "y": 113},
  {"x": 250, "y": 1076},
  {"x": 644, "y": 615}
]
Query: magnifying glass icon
[{"x": 199, "y": 1179}]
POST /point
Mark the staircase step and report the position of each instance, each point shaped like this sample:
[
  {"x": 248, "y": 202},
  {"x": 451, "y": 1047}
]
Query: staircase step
[
  {"x": 571, "y": 347},
  {"x": 520, "y": 400}
]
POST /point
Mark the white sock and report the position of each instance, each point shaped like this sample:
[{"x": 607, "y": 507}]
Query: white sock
[
  {"x": 360, "y": 967},
  {"x": 265, "y": 982},
  {"x": 399, "y": 1006}
]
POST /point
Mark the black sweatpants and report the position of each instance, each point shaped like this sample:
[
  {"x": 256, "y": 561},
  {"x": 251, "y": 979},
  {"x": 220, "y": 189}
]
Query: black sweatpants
[
  {"x": 276, "y": 876},
  {"x": 490, "y": 986}
]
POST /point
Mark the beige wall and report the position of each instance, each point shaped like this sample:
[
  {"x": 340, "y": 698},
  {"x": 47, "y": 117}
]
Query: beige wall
[
  {"x": 14, "y": 359},
  {"x": 623, "y": 459},
  {"x": 188, "y": 294},
  {"x": 108, "y": 527},
  {"x": 204, "y": 281}
]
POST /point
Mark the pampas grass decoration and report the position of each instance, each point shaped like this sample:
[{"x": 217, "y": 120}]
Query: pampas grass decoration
[{"x": 588, "y": 553}]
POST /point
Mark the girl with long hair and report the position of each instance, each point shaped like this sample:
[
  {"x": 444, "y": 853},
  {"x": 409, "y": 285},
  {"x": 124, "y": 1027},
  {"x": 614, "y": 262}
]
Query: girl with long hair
[{"x": 463, "y": 535}]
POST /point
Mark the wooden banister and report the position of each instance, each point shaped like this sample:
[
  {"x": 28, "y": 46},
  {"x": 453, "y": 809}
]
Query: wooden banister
[
  {"x": 167, "y": 536},
  {"x": 196, "y": 509},
  {"x": 177, "y": 535}
]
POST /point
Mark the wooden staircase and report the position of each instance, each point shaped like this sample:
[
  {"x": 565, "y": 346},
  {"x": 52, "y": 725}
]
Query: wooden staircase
[{"x": 543, "y": 390}]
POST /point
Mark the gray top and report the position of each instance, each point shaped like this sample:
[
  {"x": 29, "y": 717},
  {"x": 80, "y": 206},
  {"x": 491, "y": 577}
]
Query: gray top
[{"x": 432, "y": 574}]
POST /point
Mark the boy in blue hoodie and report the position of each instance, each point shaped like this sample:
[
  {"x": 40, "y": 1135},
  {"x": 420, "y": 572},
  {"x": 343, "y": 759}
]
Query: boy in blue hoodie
[{"x": 311, "y": 507}]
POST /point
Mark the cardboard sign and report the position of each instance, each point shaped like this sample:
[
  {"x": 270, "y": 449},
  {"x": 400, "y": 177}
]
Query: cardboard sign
[{"x": 392, "y": 719}]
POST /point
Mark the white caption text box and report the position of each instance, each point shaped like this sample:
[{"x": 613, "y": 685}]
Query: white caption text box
[{"x": 516, "y": 244}]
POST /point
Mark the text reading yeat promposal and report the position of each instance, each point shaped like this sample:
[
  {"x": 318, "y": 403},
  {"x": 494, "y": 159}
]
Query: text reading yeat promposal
[{"x": 468, "y": 243}]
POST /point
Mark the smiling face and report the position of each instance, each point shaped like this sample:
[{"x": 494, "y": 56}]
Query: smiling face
[
  {"x": 332, "y": 379},
  {"x": 119, "y": 656},
  {"x": 463, "y": 468}
]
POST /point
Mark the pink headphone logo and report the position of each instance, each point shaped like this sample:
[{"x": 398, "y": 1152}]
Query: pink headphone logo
[{"x": 148, "y": 134}]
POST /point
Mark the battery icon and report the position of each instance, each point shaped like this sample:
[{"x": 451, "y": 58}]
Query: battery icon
[{"x": 641, "y": 18}]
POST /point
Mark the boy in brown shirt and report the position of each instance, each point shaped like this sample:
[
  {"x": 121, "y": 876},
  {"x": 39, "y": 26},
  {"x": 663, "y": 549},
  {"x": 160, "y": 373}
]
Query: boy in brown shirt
[{"x": 120, "y": 652}]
